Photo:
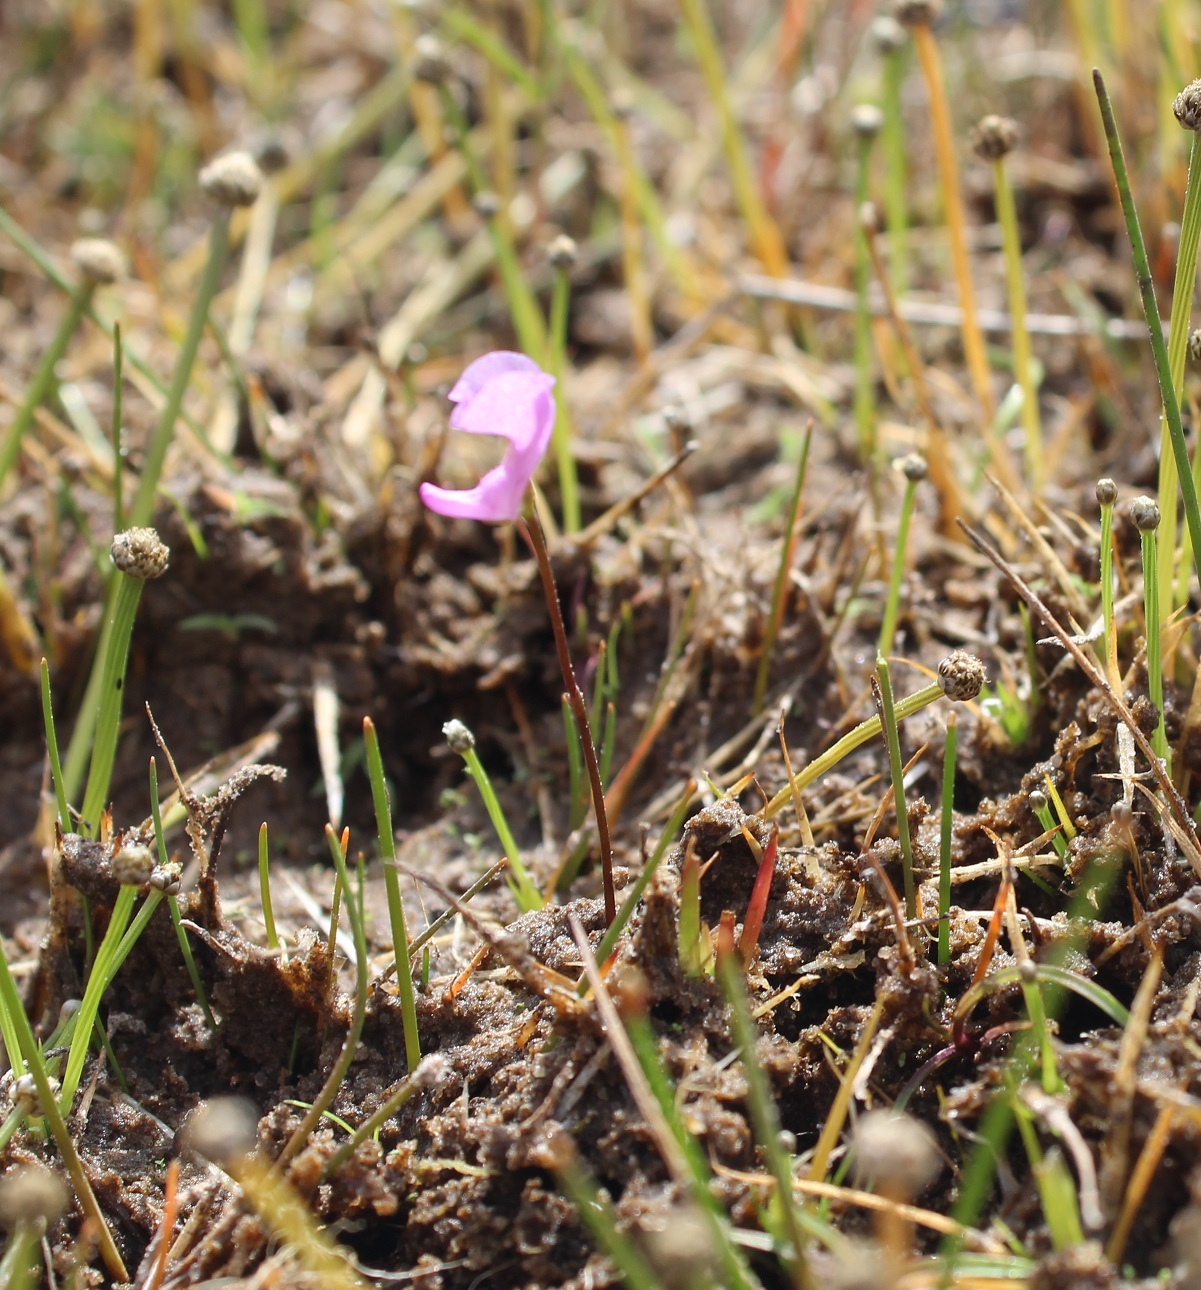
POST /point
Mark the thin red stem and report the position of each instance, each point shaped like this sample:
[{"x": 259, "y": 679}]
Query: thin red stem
[{"x": 531, "y": 530}]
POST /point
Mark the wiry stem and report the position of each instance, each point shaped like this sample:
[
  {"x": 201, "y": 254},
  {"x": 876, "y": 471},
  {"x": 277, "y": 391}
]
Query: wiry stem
[{"x": 531, "y": 530}]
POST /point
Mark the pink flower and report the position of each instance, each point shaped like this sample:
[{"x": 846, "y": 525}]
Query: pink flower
[{"x": 505, "y": 394}]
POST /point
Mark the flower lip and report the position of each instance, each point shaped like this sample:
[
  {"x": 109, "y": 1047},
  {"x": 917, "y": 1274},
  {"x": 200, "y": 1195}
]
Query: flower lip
[{"x": 506, "y": 394}]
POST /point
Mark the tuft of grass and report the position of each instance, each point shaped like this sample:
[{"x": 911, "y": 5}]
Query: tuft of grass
[{"x": 329, "y": 1090}]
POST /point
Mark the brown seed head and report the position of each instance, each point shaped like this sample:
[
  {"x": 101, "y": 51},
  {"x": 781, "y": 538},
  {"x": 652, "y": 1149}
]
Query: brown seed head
[
  {"x": 961, "y": 676},
  {"x": 917, "y": 13},
  {"x": 1107, "y": 491},
  {"x": 994, "y": 136},
  {"x": 563, "y": 252},
  {"x": 1144, "y": 511},
  {"x": 866, "y": 120},
  {"x": 1187, "y": 106},
  {"x": 460, "y": 739},
  {"x": 32, "y": 1196},
  {"x": 432, "y": 65},
  {"x": 132, "y": 864},
  {"x": 895, "y": 1153},
  {"x": 140, "y": 553},
  {"x": 98, "y": 260},
  {"x": 486, "y": 203},
  {"x": 913, "y": 466},
  {"x": 233, "y": 179},
  {"x": 888, "y": 34}
]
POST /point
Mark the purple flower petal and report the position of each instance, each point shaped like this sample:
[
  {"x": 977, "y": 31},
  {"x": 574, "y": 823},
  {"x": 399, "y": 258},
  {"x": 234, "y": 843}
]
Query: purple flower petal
[
  {"x": 508, "y": 395},
  {"x": 476, "y": 375}
]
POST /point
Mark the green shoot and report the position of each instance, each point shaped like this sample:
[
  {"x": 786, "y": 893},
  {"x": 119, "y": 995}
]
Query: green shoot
[
  {"x": 596, "y": 1213},
  {"x": 523, "y": 307},
  {"x": 181, "y": 934},
  {"x": 765, "y": 240},
  {"x": 779, "y": 594},
  {"x": 265, "y": 888},
  {"x": 866, "y": 120},
  {"x": 946, "y": 827},
  {"x": 995, "y": 137},
  {"x": 118, "y": 458},
  {"x": 42, "y": 381},
  {"x": 56, "y": 767},
  {"x": 1107, "y": 495},
  {"x": 411, "y": 1084},
  {"x": 338, "y": 1072},
  {"x": 139, "y": 556},
  {"x": 1182, "y": 303},
  {"x": 960, "y": 678},
  {"x": 1040, "y": 804},
  {"x": 98, "y": 982},
  {"x": 608, "y": 942},
  {"x": 952, "y": 201},
  {"x": 637, "y": 1051},
  {"x": 462, "y": 741},
  {"x": 764, "y": 1117},
  {"x": 693, "y": 936},
  {"x": 890, "y": 40},
  {"x": 892, "y": 740},
  {"x": 141, "y": 512},
  {"x": 1163, "y": 368},
  {"x": 1061, "y": 811},
  {"x": 914, "y": 468},
  {"x": 396, "y": 912},
  {"x": 563, "y": 254},
  {"x": 1146, "y": 516}
]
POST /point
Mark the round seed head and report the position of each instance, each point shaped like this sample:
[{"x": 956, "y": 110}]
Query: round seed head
[
  {"x": 1038, "y": 800},
  {"x": 869, "y": 217},
  {"x": 961, "y": 676},
  {"x": 1194, "y": 345},
  {"x": 888, "y": 34},
  {"x": 1107, "y": 491},
  {"x": 896, "y": 1153},
  {"x": 680, "y": 1248},
  {"x": 486, "y": 203},
  {"x": 233, "y": 179},
  {"x": 165, "y": 878},
  {"x": 675, "y": 417},
  {"x": 563, "y": 252},
  {"x": 1187, "y": 106},
  {"x": 98, "y": 260},
  {"x": 132, "y": 864},
  {"x": 914, "y": 467},
  {"x": 433, "y": 1070},
  {"x": 866, "y": 120},
  {"x": 994, "y": 136},
  {"x": 140, "y": 553},
  {"x": 917, "y": 13},
  {"x": 1027, "y": 971},
  {"x": 460, "y": 739},
  {"x": 25, "y": 1094},
  {"x": 223, "y": 1130},
  {"x": 271, "y": 151},
  {"x": 432, "y": 65},
  {"x": 1144, "y": 511},
  {"x": 32, "y": 1196}
]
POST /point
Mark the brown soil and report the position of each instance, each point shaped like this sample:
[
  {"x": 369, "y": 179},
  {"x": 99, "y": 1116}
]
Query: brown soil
[{"x": 316, "y": 565}]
